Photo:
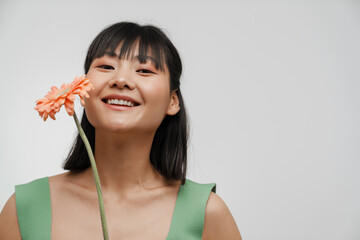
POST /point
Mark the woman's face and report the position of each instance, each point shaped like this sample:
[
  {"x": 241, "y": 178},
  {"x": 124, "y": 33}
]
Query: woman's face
[{"x": 145, "y": 89}]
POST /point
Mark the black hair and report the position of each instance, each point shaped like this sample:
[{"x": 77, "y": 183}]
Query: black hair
[{"x": 168, "y": 152}]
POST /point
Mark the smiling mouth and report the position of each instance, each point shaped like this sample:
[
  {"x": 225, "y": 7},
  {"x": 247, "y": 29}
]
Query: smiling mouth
[{"x": 120, "y": 102}]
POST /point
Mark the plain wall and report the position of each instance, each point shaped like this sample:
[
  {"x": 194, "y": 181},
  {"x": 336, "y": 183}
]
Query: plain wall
[{"x": 272, "y": 89}]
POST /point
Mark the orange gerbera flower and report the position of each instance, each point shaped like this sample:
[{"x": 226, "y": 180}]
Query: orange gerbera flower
[{"x": 54, "y": 99}]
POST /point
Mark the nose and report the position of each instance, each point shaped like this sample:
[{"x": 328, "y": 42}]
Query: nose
[{"x": 122, "y": 83}]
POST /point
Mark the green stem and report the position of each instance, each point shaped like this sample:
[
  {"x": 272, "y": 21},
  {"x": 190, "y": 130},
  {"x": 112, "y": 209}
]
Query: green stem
[{"x": 96, "y": 176}]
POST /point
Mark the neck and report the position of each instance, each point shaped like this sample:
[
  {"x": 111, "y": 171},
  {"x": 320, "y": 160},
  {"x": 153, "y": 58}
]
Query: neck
[{"x": 123, "y": 162}]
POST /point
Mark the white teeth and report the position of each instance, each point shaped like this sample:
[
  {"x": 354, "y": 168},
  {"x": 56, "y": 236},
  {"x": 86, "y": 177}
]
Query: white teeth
[{"x": 120, "y": 102}]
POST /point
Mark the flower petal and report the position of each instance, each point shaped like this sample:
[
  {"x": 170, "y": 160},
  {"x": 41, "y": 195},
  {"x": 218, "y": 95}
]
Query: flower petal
[
  {"x": 82, "y": 100},
  {"x": 71, "y": 97},
  {"x": 54, "y": 89},
  {"x": 59, "y": 102},
  {"x": 84, "y": 94},
  {"x": 52, "y": 115},
  {"x": 69, "y": 106},
  {"x": 45, "y": 116}
]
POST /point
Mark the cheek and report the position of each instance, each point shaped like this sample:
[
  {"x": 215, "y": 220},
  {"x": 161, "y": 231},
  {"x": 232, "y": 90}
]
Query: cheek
[
  {"x": 157, "y": 98},
  {"x": 157, "y": 94},
  {"x": 97, "y": 79}
]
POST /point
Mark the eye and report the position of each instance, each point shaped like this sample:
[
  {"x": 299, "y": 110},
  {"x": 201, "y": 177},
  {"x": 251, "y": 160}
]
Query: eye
[
  {"x": 107, "y": 67},
  {"x": 144, "y": 71}
]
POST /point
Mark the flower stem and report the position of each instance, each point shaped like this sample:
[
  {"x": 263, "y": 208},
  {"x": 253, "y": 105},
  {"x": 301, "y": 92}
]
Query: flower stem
[{"x": 96, "y": 176}]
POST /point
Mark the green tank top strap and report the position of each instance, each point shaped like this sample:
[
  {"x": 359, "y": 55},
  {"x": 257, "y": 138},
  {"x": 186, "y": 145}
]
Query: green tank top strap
[
  {"x": 189, "y": 213},
  {"x": 33, "y": 208}
]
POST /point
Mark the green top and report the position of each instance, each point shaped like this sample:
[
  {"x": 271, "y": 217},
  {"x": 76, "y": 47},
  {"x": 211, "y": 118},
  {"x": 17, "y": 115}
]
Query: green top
[{"x": 33, "y": 208}]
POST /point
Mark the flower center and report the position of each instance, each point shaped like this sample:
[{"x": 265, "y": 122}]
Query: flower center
[{"x": 62, "y": 92}]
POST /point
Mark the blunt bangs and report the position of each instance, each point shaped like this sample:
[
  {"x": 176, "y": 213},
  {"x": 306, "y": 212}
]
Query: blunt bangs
[{"x": 127, "y": 36}]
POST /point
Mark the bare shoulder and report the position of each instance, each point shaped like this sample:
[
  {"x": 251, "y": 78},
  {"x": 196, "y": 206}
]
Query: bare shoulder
[
  {"x": 9, "y": 226},
  {"x": 219, "y": 222}
]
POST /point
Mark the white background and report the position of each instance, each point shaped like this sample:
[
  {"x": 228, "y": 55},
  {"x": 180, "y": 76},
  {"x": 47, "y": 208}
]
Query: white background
[{"x": 272, "y": 90}]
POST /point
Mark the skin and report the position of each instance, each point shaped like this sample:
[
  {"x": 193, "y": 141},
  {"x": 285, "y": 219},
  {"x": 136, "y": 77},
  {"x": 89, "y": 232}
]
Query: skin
[{"x": 135, "y": 195}]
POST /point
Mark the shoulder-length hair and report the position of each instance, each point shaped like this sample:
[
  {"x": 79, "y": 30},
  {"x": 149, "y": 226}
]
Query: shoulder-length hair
[{"x": 168, "y": 152}]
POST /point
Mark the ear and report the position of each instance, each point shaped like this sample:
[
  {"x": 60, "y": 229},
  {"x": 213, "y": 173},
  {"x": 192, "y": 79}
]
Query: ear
[{"x": 173, "y": 107}]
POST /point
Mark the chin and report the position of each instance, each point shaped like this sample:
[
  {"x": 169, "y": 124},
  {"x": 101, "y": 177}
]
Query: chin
[{"x": 127, "y": 127}]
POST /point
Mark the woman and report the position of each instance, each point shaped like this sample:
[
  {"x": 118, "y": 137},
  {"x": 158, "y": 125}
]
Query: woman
[{"x": 135, "y": 119}]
